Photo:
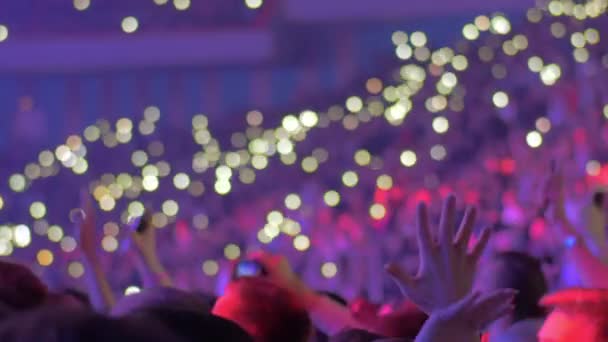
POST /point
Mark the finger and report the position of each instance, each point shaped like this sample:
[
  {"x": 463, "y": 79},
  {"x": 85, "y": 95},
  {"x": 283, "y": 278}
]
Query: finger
[
  {"x": 446, "y": 223},
  {"x": 496, "y": 314},
  {"x": 466, "y": 227},
  {"x": 493, "y": 306},
  {"x": 401, "y": 277},
  {"x": 467, "y": 303},
  {"x": 423, "y": 230},
  {"x": 478, "y": 249}
]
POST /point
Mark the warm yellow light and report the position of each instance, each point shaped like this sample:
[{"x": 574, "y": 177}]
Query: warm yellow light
[
  {"x": 17, "y": 182},
  {"x": 181, "y": 5},
  {"x": 75, "y": 269},
  {"x": 55, "y": 233},
  {"x": 131, "y": 290},
  {"x": 350, "y": 178},
  {"x": 130, "y": 24},
  {"x": 329, "y": 270},
  {"x": 362, "y": 157},
  {"x": 534, "y": 139},
  {"x": 500, "y": 99},
  {"x": 109, "y": 243},
  {"x": 384, "y": 182},
  {"x": 170, "y": 207},
  {"x": 501, "y": 25},
  {"x": 543, "y": 125},
  {"x": 275, "y": 217},
  {"x": 222, "y": 187},
  {"x": 438, "y": 152},
  {"x": 150, "y": 183},
  {"x": 181, "y": 181},
  {"x": 200, "y": 221},
  {"x": 37, "y": 210},
  {"x": 254, "y": 4},
  {"x": 301, "y": 242},
  {"x": 293, "y": 202},
  {"x": 354, "y": 104},
  {"x": 22, "y": 236},
  {"x": 331, "y": 198},
  {"x": 441, "y": 124},
  {"x": 81, "y": 5},
  {"x": 408, "y": 158},
  {"x": 68, "y": 244},
  {"x": 139, "y": 158},
  {"x": 309, "y": 118},
  {"x": 470, "y": 32},
  {"x": 377, "y": 211},
  {"x": 210, "y": 267},
  {"x": 44, "y": 257},
  {"x": 232, "y": 252},
  {"x": 310, "y": 164},
  {"x": 152, "y": 114},
  {"x": 3, "y": 33},
  {"x": 107, "y": 203},
  {"x": 418, "y": 39}
]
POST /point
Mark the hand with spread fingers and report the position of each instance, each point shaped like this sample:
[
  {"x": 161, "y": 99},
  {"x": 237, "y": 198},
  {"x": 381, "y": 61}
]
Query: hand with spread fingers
[
  {"x": 447, "y": 267},
  {"x": 463, "y": 320}
]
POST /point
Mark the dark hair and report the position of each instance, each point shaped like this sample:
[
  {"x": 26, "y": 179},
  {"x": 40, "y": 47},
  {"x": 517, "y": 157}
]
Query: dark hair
[
  {"x": 59, "y": 325},
  {"x": 163, "y": 297},
  {"x": 266, "y": 311},
  {"x": 523, "y": 273},
  {"x": 78, "y": 295},
  {"x": 355, "y": 335},
  {"x": 20, "y": 288},
  {"x": 195, "y": 326}
]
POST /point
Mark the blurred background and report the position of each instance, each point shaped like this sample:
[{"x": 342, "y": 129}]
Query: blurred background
[{"x": 309, "y": 128}]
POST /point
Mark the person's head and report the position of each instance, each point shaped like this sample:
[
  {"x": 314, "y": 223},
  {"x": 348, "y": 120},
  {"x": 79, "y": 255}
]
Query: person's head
[
  {"x": 578, "y": 315},
  {"x": 69, "y": 298},
  {"x": 20, "y": 288},
  {"x": 516, "y": 271},
  {"x": 52, "y": 324},
  {"x": 266, "y": 311},
  {"x": 194, "y": 326},
  {"x": 160, "y": 297}
]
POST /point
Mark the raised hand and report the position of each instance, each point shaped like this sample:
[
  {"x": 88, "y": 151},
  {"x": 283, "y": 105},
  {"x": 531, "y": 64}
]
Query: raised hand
[
  {"x": 150, "y": 266},
  {"x": 462, "y": 320},
  {"x": 144, "y": 240},
  {"x": 86, "y": 226},
  {"x": 97, "y": 283},
  {"x": 447, "y": 267}
]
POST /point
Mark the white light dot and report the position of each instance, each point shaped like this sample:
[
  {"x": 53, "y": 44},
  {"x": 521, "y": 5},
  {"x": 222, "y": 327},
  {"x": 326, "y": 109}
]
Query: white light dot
[
  {"x": 22, "y": 236},
  {"x": 408, "y": 158},
  {"x": 438, "y": 152},
  {"x": 254, "y": 4},
  {"x": 181, "y": 5},
  {"x": 301, "y": 242},
  {"x": 329, "y": 270},
  {"x": 132, "y": 290},
  {"x": 534, "y": 139},
  {"x": 500, "y": 99},
  {"x": 82, "y": 5},
  {"x": 3, "y": 33},
  {"x": 440, "y": 124},
  {"x": 130, "y": 24}
]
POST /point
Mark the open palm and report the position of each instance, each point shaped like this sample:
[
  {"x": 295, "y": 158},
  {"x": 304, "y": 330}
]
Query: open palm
[{"x": 447, "y": 267}]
